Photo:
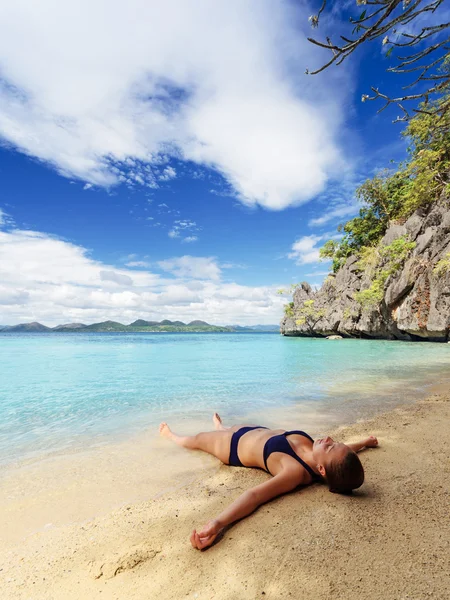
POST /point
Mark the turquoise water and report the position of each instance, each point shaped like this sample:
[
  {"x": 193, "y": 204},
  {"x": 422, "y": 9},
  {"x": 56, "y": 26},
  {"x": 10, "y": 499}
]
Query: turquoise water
[{"x": 63, "y": 391}]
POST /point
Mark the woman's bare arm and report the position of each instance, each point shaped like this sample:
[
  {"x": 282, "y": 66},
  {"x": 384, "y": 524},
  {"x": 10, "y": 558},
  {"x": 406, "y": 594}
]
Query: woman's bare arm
[
  {"x": 369, "y": 442},
  {"x": 243, "y": 506}
]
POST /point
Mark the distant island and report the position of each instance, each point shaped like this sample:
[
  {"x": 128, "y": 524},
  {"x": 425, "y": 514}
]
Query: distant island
[{"x": 137, "y": 326}]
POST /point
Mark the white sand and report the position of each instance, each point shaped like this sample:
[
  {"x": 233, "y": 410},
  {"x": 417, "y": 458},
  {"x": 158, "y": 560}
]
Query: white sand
[{"x": 389, "y": 541}]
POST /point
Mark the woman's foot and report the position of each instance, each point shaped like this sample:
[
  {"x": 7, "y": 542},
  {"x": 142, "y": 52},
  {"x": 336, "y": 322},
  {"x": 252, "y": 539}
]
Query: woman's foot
[
  {"x": 186, "y": 441},
  {"x": 165, "y": 431},
  {"x": 218, "y": 422}
]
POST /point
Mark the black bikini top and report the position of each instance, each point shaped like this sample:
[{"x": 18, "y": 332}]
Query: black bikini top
[{"x": 279, "y": 443}]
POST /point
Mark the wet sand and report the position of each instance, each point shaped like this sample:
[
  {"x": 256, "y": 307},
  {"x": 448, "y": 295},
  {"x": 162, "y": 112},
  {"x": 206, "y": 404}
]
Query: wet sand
[
  {"x": 390, "y": 540},
  {"x": 77, "y": 486}
]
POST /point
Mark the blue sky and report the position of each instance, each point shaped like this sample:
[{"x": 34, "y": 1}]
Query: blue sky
[{"x": 165, "y": 162}]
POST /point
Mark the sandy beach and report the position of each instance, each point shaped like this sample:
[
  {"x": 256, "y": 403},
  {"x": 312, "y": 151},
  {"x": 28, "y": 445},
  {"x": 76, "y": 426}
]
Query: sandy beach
[{"x": 390, "y": 540}]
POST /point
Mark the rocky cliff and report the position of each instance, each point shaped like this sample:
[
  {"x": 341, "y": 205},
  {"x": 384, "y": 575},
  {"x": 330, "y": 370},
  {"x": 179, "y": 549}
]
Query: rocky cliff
[{"x": 401, "y": 291}]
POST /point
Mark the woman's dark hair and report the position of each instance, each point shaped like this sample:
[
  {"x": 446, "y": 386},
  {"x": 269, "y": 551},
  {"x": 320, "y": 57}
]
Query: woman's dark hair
[{"x": 345, "y": 475}]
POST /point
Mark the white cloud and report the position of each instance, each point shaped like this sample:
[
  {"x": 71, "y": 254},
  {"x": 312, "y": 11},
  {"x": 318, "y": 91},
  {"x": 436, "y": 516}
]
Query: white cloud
[
  {"x": 5, "y": 219},
  {"x": 195, "y": 267},
  {"x": 305, "y": 250},
  {"x": 43, "y": 278},
  {"x": 221, "y": 85},
  {"x": 339, "y": 211},
  {"x": 184, "y": 226},
  {"x": 138, "y": 263},
  {"x": 233, "y": 266},
  {"x": 116, "y": 278},
  {"x": 87, "y": 186},
  {"x": 167, "y": 174}
]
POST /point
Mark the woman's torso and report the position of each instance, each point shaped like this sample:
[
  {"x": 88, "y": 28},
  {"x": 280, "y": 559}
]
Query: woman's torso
[{"x": 251, "y": 453}]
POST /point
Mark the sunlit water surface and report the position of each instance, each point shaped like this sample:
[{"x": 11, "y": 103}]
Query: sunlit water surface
[{"x": 62, "y": 392}]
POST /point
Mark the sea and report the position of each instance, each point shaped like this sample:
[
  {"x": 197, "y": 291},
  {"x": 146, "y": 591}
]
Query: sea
[{"x": 61, "y": 393}]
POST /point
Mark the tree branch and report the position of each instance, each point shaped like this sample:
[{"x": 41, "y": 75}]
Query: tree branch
[{"x": 386, "y": 16}]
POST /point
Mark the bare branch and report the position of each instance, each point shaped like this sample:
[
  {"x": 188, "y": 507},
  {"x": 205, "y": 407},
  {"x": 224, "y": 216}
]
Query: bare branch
[
  {"x": 368, "y": 17},
  {"x": 385, "y": 17},
  {"x": 322, "y": 8},
  {"x": 328, "y": 46},
  {"x": 416, "y": 39},
  {"x": 325, "y": 66},
  {"x": 431, "y": 65},
  {"x": 314, "y": 19},
  {"x": 407, "y": 60}
]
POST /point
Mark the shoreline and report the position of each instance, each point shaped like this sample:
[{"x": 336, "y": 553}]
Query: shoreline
[
  {"x": 78, "y": 485},
  {"x": 363, "y": 393},
  {"x": 387, "y": 540}
]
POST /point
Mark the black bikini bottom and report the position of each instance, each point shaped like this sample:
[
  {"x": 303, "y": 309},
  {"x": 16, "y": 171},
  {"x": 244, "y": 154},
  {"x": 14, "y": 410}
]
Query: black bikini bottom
[{"x": 234, "y": 458}]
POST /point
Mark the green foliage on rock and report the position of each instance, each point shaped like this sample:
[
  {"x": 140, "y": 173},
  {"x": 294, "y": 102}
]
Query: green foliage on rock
[
  {"x": 396, "y": 253},
  {"x": 309, "y": 315},
  {"x": 349, "y": 314},
  {"x": 427, "y": 171},
  {"x": 442, "y": 266},
  {"x": 289, "y": 309},
  {"x": 290, "y": 290},
  {"x": 372, "y": 296},
  {"x": 336, "y": 251},
  {"x": 380, "y": 262},
  {"x": 390, "y": 197},
  {"x": 369, "y": 257}
]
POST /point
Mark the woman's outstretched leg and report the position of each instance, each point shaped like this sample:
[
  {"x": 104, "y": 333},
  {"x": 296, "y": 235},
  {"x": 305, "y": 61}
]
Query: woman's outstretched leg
[
  {"x": 216, "y": 442},
  {"x": 186, "y": 441}
]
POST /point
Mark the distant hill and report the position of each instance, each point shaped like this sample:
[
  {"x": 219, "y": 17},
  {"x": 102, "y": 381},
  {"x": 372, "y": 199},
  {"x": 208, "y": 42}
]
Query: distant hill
[
  {"x": 257, "y": 328},
  {"x": 105, "y": 326},
  {"x": 69, "y": 327},
  {"x": 140, "y": 325},
  {"x": 31, "y": 327},
  {"x": 267, "y": 328}
]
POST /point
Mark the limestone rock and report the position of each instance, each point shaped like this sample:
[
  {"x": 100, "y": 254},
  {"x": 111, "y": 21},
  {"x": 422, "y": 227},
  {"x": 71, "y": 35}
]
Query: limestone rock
[
  {"x": 393, "y": 233},
  {"x": 413, "y": 226},
  {"x": 416, "y": 303},
  {"x": 445, "y": 223},
  {"x": 424, "y": 240}
]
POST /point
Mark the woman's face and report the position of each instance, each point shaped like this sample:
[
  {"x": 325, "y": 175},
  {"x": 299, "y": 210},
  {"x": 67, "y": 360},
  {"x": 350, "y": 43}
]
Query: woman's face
[{"x": 326, "y": 450}]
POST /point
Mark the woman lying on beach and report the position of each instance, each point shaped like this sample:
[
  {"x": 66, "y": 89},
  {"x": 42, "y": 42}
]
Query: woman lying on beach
[{"x": 293, "y": 459}]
